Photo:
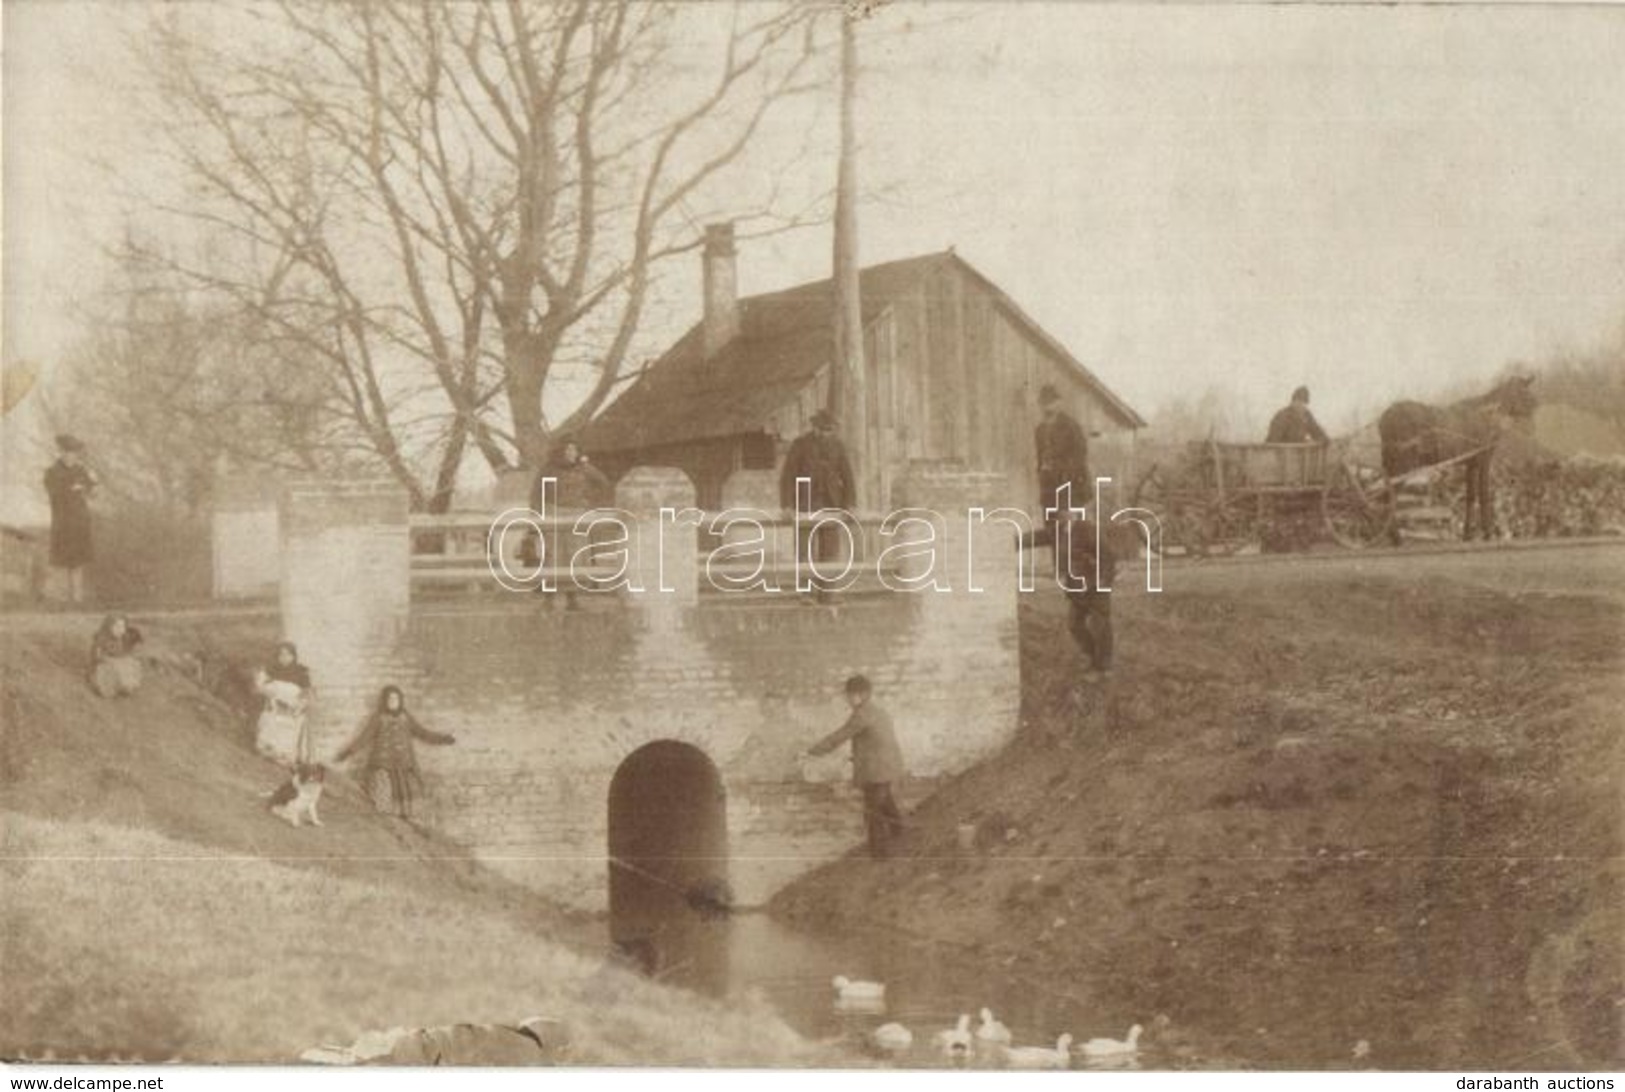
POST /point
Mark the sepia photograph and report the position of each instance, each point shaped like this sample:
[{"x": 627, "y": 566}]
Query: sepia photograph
[{"x": 842, "y": 535}]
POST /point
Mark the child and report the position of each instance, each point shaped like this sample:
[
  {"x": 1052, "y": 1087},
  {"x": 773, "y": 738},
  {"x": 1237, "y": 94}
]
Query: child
[
  {"x": 387, "y": 743},
  {"x": 877, "y": 761},
  {"x": 114, "y": 669},
  {"x": 285, "y": 684}
]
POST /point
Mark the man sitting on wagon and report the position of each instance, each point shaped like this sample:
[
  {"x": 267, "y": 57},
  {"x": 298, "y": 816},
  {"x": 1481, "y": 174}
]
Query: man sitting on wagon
[{"x": 1294, "y": 424}]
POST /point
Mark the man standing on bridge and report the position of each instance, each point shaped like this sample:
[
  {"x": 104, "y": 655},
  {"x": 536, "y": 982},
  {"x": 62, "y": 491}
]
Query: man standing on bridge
[
  {"x": 1063, "y": 460},
  {"x": 877, "y": 761},
  {"x": 818, "y": 456}
]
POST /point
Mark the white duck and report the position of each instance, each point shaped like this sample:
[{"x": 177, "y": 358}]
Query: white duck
[
  {"x": 990, "y": 1032},
  {"x": 956, "y": 1041},
  {"x": 847, "y": 989},
  {"x": 1040, "y": 1057},
  {"x": 1113, "y": 1048},
  {"x": 892, "y": 1037}
]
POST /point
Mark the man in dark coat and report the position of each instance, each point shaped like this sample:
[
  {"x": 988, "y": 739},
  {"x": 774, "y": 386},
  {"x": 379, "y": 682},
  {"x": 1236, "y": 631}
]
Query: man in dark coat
[
  {"x": 819, "y": 456},
  {"x": 1087, "y": 581},
  {"x": 1294, "y": 424},
  {"x": 1063, "y": 459},
  {"x": 69, "y": 483},
  {"x": 877, "y": 762}
]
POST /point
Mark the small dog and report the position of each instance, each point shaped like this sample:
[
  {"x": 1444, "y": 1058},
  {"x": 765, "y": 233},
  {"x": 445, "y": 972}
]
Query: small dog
[{"x": 297, "y": 797}]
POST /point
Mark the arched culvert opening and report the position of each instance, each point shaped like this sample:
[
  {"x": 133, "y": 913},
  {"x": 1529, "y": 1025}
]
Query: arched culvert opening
[{"x": 668, "y": 863}]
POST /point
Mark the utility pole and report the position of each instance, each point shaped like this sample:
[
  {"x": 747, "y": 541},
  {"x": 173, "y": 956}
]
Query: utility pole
[{"x": 847, "y": 399}]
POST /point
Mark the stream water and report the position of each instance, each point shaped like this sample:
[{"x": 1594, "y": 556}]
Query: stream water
[{"x": 927, "y": 985}]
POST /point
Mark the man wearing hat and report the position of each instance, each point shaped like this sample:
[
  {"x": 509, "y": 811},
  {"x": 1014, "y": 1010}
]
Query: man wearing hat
[
  {"x": 69, "y": 483},
  {"x": 819, "y": 456},
  {"x": 1294, "y": 424},
  {"x": 1063, "y": 458}
]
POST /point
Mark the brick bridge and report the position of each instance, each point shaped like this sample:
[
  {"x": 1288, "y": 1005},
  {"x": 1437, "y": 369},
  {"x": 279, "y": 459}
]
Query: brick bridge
[{"x": 657, "y": 728}]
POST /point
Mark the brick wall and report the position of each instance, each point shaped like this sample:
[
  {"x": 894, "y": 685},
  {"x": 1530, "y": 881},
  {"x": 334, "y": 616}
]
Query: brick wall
[{"x": 546, "y": 704}]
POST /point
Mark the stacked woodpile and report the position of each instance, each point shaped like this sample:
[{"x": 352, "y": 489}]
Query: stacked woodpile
[{"x": 1552, "y": 498}]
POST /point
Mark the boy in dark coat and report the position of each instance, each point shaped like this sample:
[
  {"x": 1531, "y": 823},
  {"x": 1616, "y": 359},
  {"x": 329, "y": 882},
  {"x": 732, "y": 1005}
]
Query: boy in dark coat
[
  {"x": 877, "y": 762},
  {"x": 69, "y": 483},
  {"x": 819, "y": 456}
]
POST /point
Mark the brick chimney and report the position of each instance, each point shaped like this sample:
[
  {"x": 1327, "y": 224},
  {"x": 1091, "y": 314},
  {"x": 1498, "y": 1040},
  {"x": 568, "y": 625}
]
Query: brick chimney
[{"x": 720, "y": 323}]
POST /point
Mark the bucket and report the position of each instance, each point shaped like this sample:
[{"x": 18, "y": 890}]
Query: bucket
[{"x": 967, "y": 836}]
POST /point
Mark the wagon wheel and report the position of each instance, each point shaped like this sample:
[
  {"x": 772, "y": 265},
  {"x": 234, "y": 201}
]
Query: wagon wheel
[
  {"x": 1357, "y": 513},
  {"x": 1190, "y": 519},
  {"x": 1168, "y": 505},
  {"x": 1227, "y": 524}
]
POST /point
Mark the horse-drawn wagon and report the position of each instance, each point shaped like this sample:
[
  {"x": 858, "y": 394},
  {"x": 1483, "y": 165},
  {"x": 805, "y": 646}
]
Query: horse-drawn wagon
[{"x": 1216, "y": 497}]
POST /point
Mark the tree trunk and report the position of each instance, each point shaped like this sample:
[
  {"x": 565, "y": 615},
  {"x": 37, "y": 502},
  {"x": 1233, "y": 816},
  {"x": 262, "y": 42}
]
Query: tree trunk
[
  {"x": 526, "y": 376},
  {"x": 847, "y": 374}
]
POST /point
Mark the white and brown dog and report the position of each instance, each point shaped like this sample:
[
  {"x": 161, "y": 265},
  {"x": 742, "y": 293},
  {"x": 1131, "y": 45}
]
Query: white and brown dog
[{"x": 298, "y": 796}]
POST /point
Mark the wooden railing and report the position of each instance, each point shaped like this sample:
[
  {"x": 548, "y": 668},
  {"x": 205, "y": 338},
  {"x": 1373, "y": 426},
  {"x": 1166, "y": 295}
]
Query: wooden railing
[{"x": 452, "y": 553}]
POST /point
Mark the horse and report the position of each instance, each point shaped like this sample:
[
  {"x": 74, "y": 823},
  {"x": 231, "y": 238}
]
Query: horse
[{"x": 1415, "y": 435}]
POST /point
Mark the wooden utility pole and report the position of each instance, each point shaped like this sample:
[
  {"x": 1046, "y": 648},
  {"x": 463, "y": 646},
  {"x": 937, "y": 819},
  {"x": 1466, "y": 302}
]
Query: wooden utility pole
[{"x": 847, "y": 399}]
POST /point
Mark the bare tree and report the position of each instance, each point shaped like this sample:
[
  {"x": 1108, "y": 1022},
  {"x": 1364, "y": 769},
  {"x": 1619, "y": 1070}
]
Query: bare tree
[
  {"x": 452, "y": 207},
  {"x": 172, "y": 393}
]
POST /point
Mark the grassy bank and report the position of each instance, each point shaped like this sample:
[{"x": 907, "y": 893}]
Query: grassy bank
[{"x": 153, "y": 909}]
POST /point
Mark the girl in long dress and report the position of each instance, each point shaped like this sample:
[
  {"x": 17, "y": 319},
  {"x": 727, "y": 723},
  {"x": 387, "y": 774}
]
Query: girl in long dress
[{"x": 386, "y": 741}]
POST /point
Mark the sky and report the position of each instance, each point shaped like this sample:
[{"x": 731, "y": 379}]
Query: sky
[{"x": 1377, "y": 201}]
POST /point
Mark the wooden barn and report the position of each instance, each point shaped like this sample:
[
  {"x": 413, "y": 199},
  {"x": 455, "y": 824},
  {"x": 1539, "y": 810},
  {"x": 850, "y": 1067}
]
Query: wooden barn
[{"x": 953, "y": 371}]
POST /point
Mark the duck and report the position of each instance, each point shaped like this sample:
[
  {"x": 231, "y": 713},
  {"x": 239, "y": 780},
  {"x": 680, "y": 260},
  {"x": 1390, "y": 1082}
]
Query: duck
[
  {"x": 956, "y": 1041},
  {"x": 892, "y": 1037},
  {"x": 1110, "y": 1048},
  {"x": 1040, "y": 1057},
  {"x": 990, "y": 1032},
  {"x": 847, "y": 989}
]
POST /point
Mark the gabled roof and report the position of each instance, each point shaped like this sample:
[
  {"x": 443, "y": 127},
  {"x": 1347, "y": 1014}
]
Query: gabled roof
[{"x": 784, "y": 341}]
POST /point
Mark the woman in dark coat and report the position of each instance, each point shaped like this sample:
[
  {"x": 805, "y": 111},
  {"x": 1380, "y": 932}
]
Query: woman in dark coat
[
  {"x": 578, "y": 487},
  {"x": 114, "y": 668},
  {"x": 69, "y": 483},
  {"x": 387, "y": 743}
]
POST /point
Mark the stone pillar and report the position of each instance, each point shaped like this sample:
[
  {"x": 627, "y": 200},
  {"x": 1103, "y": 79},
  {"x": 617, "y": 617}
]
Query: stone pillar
[
  {"x": 346, "y": 591},
  {"x": 963, "y": 672},
  {"x": 243, "y": 533},
  {"x": 663, "y": 551}
]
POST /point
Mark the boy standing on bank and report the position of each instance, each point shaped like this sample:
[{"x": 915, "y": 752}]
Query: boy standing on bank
[{"x": 877, "y": 762}]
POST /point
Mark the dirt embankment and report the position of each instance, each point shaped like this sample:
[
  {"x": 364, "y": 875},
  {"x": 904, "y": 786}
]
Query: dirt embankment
[
  {"x": 151, "y": 908},
  {"x": 1383, "y": 809}
]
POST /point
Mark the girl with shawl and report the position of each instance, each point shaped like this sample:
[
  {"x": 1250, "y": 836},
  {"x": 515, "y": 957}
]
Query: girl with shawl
[{"x": 386, "y": 741}]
